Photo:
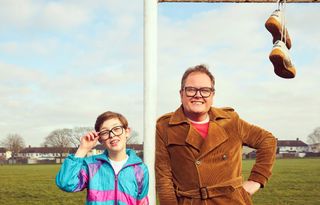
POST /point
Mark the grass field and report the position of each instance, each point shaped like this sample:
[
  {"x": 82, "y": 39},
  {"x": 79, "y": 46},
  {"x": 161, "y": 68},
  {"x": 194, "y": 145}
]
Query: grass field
[
  {"x": 33, "y": 184},
  {"x": 294, "y": 182}
]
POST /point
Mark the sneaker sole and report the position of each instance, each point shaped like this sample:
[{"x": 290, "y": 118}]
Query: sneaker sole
[
  {"x": 280, "y": 69},
  {"x": 274, "y": 27}
]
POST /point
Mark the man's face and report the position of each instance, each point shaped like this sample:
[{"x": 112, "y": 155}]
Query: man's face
[{"x": 196, "y": 107}]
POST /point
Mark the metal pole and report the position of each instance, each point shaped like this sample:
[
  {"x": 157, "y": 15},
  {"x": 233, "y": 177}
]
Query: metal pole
[{"x": 150, "y": 90}]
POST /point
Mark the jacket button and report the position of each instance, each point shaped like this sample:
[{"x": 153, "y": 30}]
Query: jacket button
[
  {"x": 198, "y": 162},
  {"x": 224, "y": 157}
]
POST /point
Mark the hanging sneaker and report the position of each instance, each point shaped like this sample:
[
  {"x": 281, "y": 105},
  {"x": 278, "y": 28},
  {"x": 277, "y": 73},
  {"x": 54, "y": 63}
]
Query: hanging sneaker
[
  {"x": 274, "y": 25},
  {"x": 280, "y": 59}
]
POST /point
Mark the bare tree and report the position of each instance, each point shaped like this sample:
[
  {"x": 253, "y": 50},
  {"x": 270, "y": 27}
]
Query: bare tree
[
  {"x": 77, "y": 133},
  {"x": 133, "y": 139},
  {"x": 14, "y": 143},
  {"x": 60, "y": 139},
  {"x": 314, "y": 137}
]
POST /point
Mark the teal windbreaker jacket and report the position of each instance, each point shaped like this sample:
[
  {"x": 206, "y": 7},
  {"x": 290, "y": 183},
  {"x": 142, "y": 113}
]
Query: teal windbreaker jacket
[{"x": 95, "y": 173}]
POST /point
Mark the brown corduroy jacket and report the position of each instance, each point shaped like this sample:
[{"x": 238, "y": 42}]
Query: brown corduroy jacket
[{"x": 197, "y": 171}]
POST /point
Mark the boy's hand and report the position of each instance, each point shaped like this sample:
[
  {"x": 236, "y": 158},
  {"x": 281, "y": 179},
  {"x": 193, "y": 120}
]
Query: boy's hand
[{"x": 87, "y": 142}]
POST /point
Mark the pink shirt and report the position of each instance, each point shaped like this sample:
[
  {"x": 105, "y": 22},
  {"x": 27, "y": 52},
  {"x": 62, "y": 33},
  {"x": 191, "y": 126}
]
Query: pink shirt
[{"x": 202, "y": 127}]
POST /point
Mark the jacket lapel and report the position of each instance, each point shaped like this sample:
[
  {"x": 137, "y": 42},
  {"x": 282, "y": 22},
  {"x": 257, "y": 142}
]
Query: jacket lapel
[
  {"x": 194, "y": 139},
  {"x": 216, "y": 133},
  {"x": 216, "y": 136}
]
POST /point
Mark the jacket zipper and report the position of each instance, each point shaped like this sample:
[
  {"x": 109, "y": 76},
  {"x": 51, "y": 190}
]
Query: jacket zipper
[
  {"x": 116, "y": 189},
  {"x": 116, "y": 182}
]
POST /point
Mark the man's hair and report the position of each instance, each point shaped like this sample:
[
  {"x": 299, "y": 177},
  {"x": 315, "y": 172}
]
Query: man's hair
[
  {"x": 107, "y": 116},
  {"x": 199, "y": 69}
]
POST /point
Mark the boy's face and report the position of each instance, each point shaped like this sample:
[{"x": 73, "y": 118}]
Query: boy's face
[{"x": 116, "y": 137}]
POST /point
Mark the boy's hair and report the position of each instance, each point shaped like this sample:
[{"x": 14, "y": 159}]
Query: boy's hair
[
  {"x": 200, "y": 69},
  {"x": 107, "y": 116}
]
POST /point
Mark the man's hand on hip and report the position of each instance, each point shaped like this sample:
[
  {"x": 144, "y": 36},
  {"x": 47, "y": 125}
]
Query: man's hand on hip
[{"x": 251, "y": 187}]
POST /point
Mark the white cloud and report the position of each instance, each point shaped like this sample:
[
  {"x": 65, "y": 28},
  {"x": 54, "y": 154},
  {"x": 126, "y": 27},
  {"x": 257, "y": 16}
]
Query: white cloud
[
  {"x": 73, "y": 60},
  {"x": 232, "y": 40},
  {"x": 63, "y": 15},
  {"x": 52, "y": 15},
  {"x": 16, "y": 14},
  {"x": 9, "y": 47}
]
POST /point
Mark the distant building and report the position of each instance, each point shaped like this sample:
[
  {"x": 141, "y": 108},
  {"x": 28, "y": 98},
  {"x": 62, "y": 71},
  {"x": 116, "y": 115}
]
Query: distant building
[
  {"x": 285, "y": 149},
  {"x": 315, "y": 148},
  {"x": 292, "y": 146},
  {"x": 100, "y": 149},
  {"x": 247, "y": 152},
  {"x": 33, "y": 155},
  {"x": 4, "y": 153}
]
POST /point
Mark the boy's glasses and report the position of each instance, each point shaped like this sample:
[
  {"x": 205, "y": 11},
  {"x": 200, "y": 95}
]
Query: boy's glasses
[
  {"x": 106, "y": 134},
  {"x": 204, "y": 91}
]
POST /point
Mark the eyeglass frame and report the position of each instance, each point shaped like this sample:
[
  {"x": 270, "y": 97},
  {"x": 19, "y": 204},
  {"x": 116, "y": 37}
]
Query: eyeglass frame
[
  {"x": 198, "y": 90},
  {"x": 110, "y": 131}
]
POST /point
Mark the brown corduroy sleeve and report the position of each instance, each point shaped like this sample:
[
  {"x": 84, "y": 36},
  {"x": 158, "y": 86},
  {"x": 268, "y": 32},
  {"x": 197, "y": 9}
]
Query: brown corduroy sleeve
[
  {"x": 164, "y": 181},
  {"x": 265, "y": 144}
]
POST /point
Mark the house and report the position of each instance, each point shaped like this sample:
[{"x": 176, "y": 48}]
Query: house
[
  {"x": 291, "y": 148},
  {"x": 100, "y": 148},
  {"x": 33, "y": 155},
  {"x": 314, "y": 148},
  {"x": 45, "y": 154},
  {"x": 285, "y": 149},
  {"x": 4, "y": 153},
  {"x": 248, "y": 153}
]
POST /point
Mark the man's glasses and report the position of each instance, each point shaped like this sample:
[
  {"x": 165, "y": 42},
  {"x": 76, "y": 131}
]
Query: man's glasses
[
  {"x": 204, "y": 91},
  {"x": 106, "y": 134}
]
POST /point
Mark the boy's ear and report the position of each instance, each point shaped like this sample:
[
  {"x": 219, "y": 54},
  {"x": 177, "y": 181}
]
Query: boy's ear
[{"x": 129, "y": 132}]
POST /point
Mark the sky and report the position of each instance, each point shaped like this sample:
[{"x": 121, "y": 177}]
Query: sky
[{"x": 62, "y": 63}]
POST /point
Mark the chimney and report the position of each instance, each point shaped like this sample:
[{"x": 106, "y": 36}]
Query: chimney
[{"x": 297, "y": 139}]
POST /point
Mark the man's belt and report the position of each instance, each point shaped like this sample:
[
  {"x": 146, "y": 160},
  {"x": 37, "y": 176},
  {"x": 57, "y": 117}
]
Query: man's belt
[{"x": 212, "y": 191}]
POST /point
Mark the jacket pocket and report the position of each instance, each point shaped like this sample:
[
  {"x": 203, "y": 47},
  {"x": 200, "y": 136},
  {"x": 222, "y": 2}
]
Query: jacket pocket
[
  {"x": 175, "y": 137},
  {"x": 184, "y": 201},
  {"x": 177, "y": 147}
]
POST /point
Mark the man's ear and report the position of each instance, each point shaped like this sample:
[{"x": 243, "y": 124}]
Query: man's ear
[{"x": 181, "y": 94}]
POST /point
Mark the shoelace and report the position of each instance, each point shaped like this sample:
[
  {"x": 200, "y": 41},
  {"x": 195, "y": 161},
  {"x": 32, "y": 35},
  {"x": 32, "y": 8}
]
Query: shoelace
[{"x": 281, "y": 8}]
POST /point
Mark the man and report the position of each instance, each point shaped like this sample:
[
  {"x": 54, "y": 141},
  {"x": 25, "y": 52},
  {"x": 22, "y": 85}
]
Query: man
[{"x": 199, "y": 149}]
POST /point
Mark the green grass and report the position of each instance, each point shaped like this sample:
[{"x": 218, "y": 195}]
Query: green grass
[
  {"x": 294, "y": 182},
  {"x": 34, "y": 184}
]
